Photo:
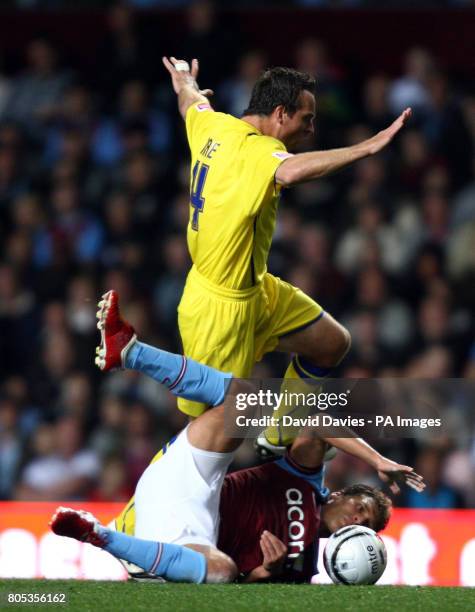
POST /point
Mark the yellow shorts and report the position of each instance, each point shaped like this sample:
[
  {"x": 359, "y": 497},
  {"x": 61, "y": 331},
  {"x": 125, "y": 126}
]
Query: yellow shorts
[{"x": 231, "y": 329}]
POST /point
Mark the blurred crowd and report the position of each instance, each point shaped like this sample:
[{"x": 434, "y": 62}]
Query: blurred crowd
[{"x": 94, "y": 195}]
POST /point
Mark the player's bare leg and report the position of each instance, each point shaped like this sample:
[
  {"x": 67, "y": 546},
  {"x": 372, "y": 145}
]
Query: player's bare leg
[
  {"x": 316, "y": 350},
  {"x": 325, "y": 343},
  {"x": 212, "y": 431},
  {"x": 309, "y": 452},
  {"x": 220, "y": 567},
  {"x": 174, "y": 562}
]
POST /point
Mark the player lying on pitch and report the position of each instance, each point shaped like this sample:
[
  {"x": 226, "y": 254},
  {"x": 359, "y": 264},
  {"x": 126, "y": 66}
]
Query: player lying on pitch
[{"x": 271, "y": 515}]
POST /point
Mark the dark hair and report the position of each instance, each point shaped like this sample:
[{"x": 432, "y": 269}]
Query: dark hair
[
  {"x": 279, "y": 86},
  {"x": 382, "y": 503}
]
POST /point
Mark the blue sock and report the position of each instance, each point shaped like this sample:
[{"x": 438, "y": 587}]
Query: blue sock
[
  {"x": 307, "y": 369},
  {"x": 183, "y": 377},
  {"x": 172, "y": 561}
]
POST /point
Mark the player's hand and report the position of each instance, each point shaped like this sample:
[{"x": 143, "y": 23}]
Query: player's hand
[
  {"x": 383, "y": 138},
  {"x": 394, "y": 474},
  {"x": 184, "y": 77},
  {"x": 274, "y": 552}
]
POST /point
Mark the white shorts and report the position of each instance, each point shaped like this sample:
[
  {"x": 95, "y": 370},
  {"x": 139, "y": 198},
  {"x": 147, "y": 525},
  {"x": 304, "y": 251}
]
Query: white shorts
[{"x": 177, "y": 497}]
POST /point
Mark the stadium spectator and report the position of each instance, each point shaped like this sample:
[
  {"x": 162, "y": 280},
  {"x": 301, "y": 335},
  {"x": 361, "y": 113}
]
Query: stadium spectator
[
  {"x": 371, "y": 229},
  {"x": 125, "y": 53},
  {"x": 74, "y": 116},
  {"x": 17, "y": 320},
  {"x": 140, "y": 443},
  {"x": 61, "y": 469},
  {"x": 437, "y": 494},
  {"x": 75, "y": 397},
  {"x": 5, "y": 87},
  {"x": 234, "y": 93},
  {"x": 463, "y": 209},
  {"x": 14, "y": 177},
  {"x": 376, "y": 113},
  {"x": 313, "y": 56},
  {"x": 411, "y": 89},
  {"x": 35, "y": 94},
  {"x": 133, "y": 127},
  {"x": 108, "y": 436},
  {"x": 169, "y": 288},
  {"x": 112, "y": 485},
  {"x": 204, "y": 34},
  {"x": 447, "y": 130},
  {"x": 11, "y": 446}
]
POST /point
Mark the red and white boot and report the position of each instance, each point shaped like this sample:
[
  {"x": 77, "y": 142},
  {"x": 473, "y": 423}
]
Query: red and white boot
[
  {"x": 117, "y": 336},
  {"x": 77, "y": 524}
]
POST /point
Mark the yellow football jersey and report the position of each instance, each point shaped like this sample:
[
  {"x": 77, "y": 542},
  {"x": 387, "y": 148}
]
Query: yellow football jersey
[{"x": 233, "y": 197}]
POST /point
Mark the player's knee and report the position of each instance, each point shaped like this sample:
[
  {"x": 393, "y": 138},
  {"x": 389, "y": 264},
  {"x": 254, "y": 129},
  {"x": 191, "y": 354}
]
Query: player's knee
[
  {"x": 337, "y": 345},
  {"x": 308, "y": 449},
  {"x": 240, "y": 388},
  {"x": 343, "y": 343},
  {"x": 221, "y": 569},
  {"x": 308, "y": 443}
]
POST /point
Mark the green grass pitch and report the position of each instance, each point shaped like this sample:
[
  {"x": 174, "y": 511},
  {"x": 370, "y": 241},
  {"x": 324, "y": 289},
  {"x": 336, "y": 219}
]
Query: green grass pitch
[{"x": 129, "y": 597}]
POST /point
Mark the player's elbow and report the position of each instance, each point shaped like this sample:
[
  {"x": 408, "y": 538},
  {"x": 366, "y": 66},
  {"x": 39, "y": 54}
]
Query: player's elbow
[
  {"x": 287, "y": 174},
  {"x": 183, "y": 107}
]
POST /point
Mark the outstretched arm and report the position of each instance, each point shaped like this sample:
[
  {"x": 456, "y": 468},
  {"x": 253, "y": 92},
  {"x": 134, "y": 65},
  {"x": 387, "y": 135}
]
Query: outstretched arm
[
  {"x": 308, "y": 166},
  {"x": 184, "y": 83},
  {"x": 389, "y": 471},
  {"x": 306, "y": 448}
]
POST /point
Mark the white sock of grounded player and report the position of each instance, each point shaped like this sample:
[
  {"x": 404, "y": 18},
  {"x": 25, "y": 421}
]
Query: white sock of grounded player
[
  {"x": 171, "y": 561},
  {"x": 184, "y": 377}
]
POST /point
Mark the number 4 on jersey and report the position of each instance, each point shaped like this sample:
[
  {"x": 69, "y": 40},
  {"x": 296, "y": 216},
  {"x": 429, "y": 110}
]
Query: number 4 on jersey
[{"x": 200, "y": 172}]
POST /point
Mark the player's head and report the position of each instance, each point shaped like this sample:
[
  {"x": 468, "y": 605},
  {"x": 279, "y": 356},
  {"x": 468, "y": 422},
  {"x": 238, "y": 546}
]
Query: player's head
[
  {"x": 286, "y": 98},
  {"x": 357, "y": 505}
]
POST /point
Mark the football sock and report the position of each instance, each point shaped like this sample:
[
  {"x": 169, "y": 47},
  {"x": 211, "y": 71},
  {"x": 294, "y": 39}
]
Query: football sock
[
  {"x": 184, "y": 377},
  {"x": 299, "y": 371},
  {"x": 171, "y": 561}
]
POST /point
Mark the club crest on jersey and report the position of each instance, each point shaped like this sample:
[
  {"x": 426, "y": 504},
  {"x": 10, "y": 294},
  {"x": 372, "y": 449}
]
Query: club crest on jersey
[
  {"x": 281, "y": 154},
  {"x": 203, "y": 107}
]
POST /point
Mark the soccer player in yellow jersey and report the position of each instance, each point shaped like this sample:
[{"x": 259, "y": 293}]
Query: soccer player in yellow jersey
[{"x": 232, "y": 310}]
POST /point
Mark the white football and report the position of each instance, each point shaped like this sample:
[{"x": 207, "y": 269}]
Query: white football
[{"x": 355, "y": 555}]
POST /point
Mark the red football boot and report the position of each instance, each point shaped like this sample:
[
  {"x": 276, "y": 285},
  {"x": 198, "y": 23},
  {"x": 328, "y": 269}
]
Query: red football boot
[
  {"x": 77, "y": 524},
  {"x": 117, "y": 336}
]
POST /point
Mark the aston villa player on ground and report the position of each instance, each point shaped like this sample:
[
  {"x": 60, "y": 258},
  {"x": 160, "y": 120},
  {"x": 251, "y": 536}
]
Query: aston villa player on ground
[
  {"x": 171, "y": 526},
  {"x": 272, "y": 516}
]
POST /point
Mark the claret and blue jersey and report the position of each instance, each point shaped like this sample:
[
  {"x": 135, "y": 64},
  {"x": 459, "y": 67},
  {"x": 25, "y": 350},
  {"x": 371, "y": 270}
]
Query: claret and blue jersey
[{"x": 278, "y": 498}]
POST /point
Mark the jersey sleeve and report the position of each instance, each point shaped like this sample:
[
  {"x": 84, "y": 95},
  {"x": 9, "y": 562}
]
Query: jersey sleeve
[
  {"x": 264, "y": 156},
  {"x": 199, "y": 118}
]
